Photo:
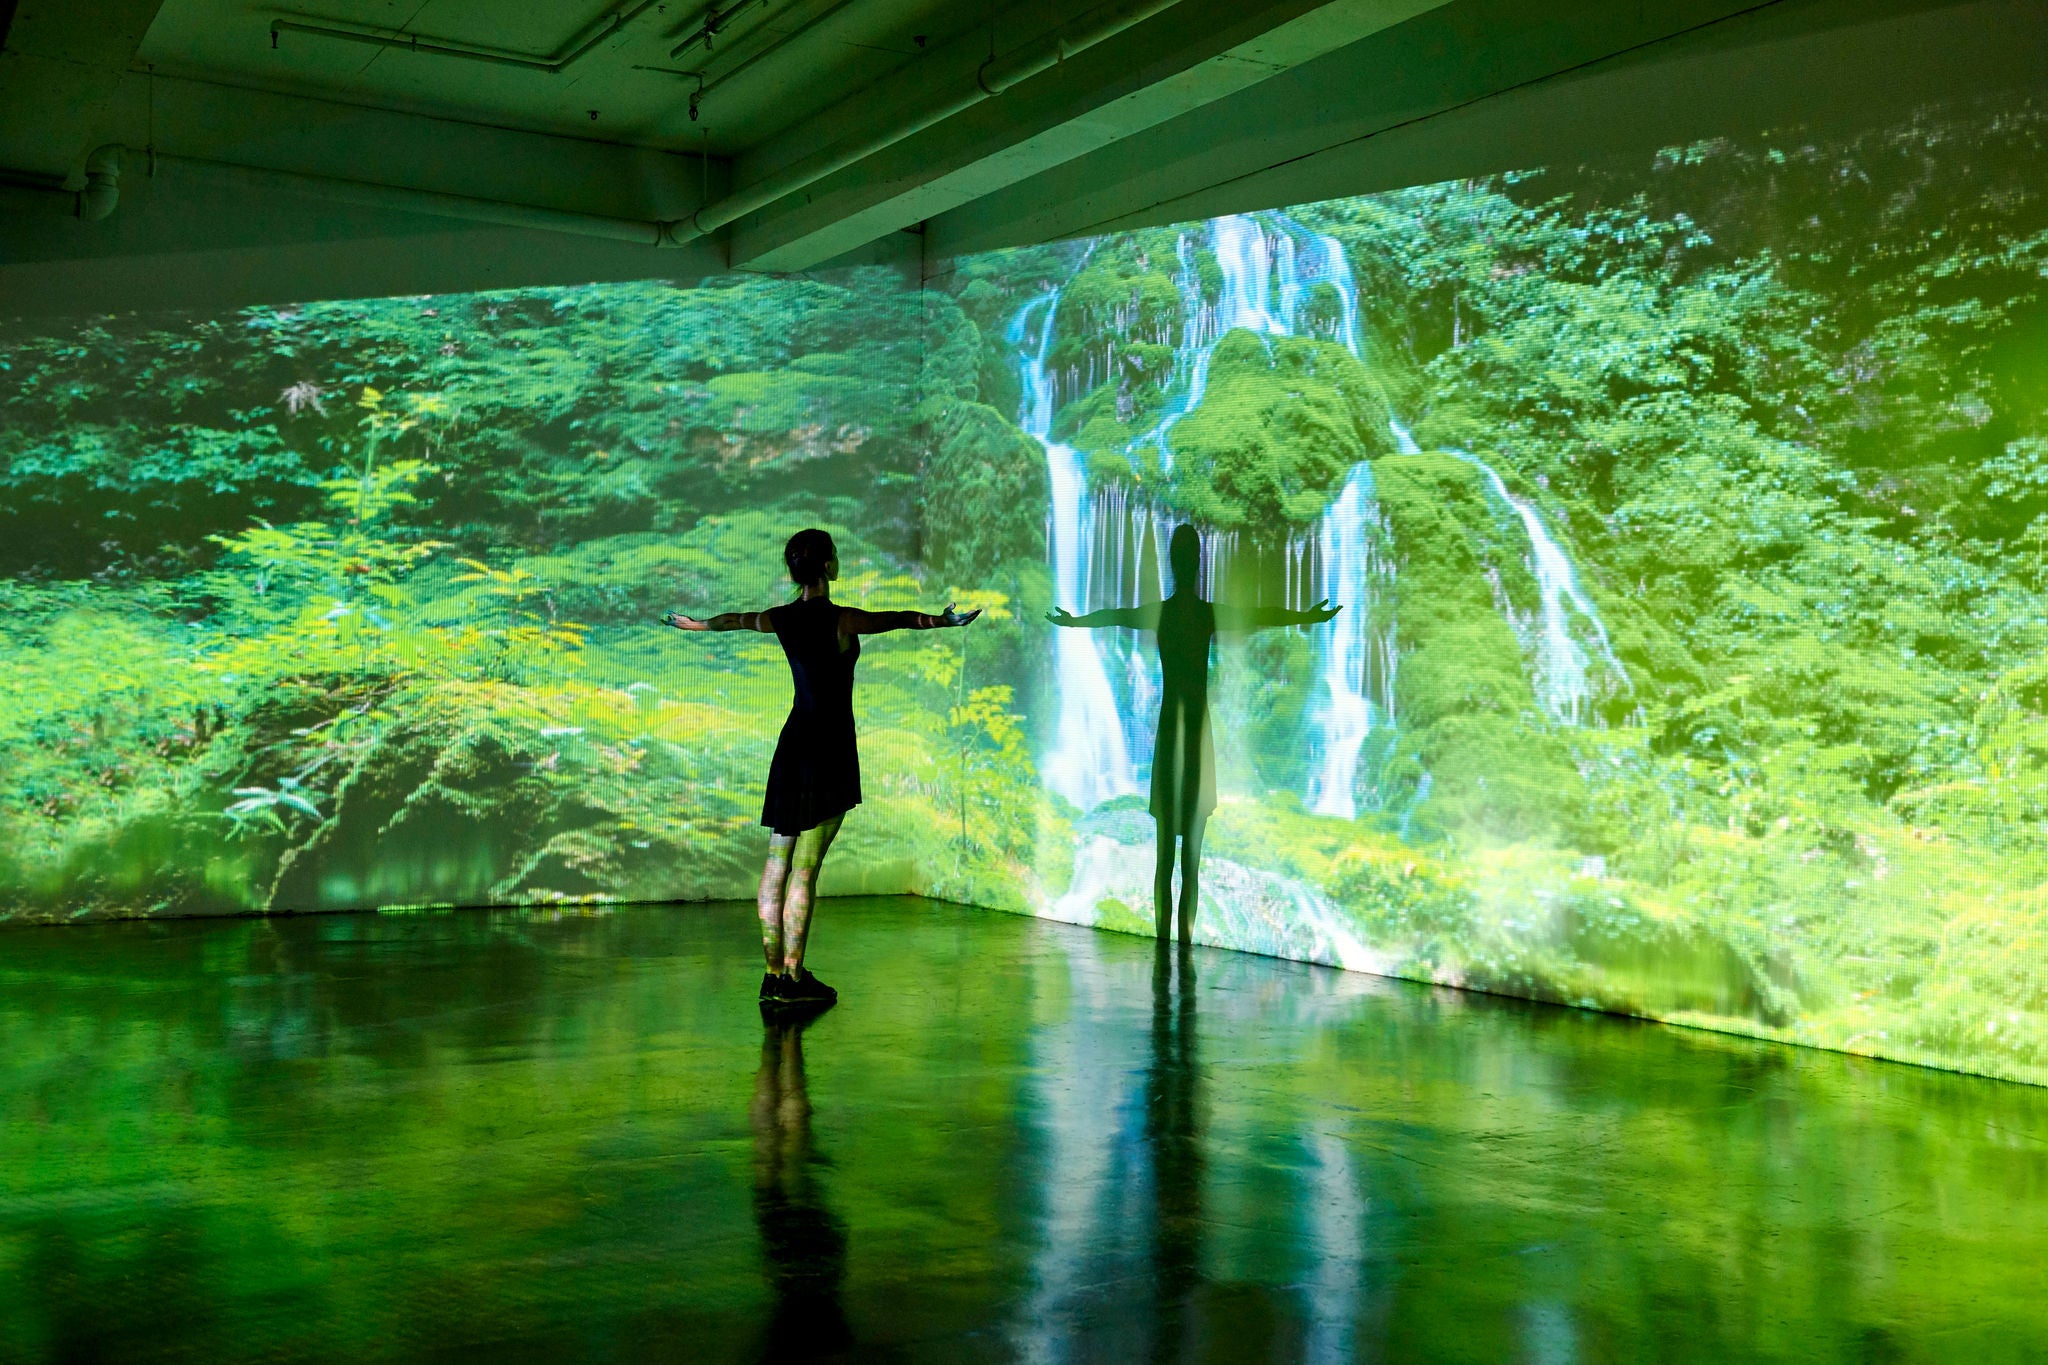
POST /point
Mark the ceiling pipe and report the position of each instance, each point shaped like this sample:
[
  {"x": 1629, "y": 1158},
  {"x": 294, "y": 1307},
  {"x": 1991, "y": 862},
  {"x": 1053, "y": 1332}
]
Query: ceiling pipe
[
  {"x": 706, "y": 83},
  {"x": 572, "y": 52},
  {"x": 713, "y": 24},
  {"x": 102, "y": 182},
  {"x": 998, "y": 74},
  {"x": 994, "y": 76},
  {"x": 95, "y": 200}
]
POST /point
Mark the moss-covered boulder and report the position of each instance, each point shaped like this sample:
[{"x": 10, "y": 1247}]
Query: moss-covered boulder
[
  {"x": 1125, "y": 293},
  {"x": 1282, "y": 422}
]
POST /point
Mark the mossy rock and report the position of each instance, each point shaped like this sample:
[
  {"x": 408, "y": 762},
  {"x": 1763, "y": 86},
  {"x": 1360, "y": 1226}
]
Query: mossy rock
[
  {"x": 1092, "y": 421},
  {"x": 440, "y": 811},
  {"x": 1129, "y": 276},
  {"x": 1282, "y": 423}
]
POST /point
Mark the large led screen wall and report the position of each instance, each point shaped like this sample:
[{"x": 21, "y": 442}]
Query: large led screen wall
[{"x": 1688, "y": 520}]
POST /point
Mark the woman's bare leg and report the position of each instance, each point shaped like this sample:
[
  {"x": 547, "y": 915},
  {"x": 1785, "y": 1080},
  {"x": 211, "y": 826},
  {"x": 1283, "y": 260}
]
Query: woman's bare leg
[
  {"x": 774, "y": 885},
  {"x": 1191, "y": 875},
  {"x": 1162, "y": 881},
  {"x": 811, "y": 847}
]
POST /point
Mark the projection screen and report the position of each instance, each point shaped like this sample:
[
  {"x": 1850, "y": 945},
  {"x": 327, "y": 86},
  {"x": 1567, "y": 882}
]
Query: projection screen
[{"x": 1687, "y": 520}]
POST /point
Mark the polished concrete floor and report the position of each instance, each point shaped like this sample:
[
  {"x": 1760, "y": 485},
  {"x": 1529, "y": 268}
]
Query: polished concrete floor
[{"x": 517, "y": 1137}]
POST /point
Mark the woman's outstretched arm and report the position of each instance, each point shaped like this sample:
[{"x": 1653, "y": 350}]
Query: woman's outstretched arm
[
  {"x": 1142, "y": 617},
  {"x": 860, "y": 621},
  {"x": 1244, "y": 620},
  {"x": 725, "y": 620}
]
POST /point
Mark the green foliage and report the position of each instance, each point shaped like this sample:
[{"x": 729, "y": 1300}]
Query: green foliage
[
  {"x": 1469, "y": 717},
  {"x": 355, "y": 602},
  {"x": 1283, "y": 422},
  {"x": 983, "y": 494},
  {"x": 568, "y": 413}
]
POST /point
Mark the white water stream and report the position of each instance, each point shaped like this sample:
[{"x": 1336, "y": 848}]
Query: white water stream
[
  {"x": 1107, "y": 546},
  {"x": 1563, "y": 668},
  {"x": 1089, "y": 762},
  {"x": 1351, "y": 657}
]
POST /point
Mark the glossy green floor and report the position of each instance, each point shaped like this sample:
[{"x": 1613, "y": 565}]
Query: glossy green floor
[{"x": 510, "y": 1137}]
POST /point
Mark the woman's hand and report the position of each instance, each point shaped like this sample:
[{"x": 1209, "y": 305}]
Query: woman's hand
[
  {"x": 953, "y": 617},
  {"x": 1060, "y": 616},
  {"x": 682, "y": 622},
  {"x": 1319, "y": 613}
]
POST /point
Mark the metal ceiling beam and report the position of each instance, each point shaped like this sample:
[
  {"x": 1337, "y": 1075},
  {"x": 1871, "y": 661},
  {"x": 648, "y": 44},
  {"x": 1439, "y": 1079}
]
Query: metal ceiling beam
[
  {"x": 246, "y": 171},
  {"x": 1199, "y": 52},
  {"x": 580, "y": 45},
  {"x": 894, "y": 110},
  {"x": 991, "y": 77},
  {"x": 1444, "y": 96},
  {"x": 345, "y": 140},
  {"x": 356, "y": 253},
  {"x": 1213, "y": 106}
]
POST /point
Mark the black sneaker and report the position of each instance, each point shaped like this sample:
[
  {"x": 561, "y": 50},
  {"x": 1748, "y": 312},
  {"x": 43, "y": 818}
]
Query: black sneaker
[
  {"x": 771, "y": 988},
  {"x": 805, "y": 989}
]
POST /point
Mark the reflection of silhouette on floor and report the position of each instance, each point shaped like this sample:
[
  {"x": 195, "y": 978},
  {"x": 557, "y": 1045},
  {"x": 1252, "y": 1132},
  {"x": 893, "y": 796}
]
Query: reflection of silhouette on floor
[
  {"x": 804, "y": 1242},
  {"x": 1183, "y": 752},
  {"x": 1173, "y": 1139}
]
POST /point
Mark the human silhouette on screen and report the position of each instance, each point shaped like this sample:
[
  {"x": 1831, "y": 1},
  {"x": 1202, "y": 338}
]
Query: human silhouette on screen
[{"x": 1183, "y": 753}]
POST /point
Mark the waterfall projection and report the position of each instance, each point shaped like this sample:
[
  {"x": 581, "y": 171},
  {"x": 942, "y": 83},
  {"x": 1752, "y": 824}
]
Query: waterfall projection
[
  {"x": 1554, "y": 638},
  {"x": 1334, "y": 559},
  {"x": 1088, "y": 763},
  {"x": 1184, "y": 752},
  {"x": 1687, "y": 518}
]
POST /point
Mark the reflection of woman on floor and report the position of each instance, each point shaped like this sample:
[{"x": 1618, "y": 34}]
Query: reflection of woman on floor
[
  {"x": 803, "y": 1242},
  {"x": 815, "y": 776},
  {"x": 1183, "y": 754},
  {"x": 1175, "y": 1137}
]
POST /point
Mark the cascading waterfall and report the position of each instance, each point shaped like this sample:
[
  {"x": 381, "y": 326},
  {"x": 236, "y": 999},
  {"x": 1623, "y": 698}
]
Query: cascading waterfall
[
  {"x": 1563, "y": 669},
  {"x": 1355, "y": 671},
  {"x": 1562, "y": 666},
  {"x": 1198, "y": 330},
  {"x": 1355, "y": 663},
  {"x": 1246, "y": 260},
  {"x": 1108, "y": 546},
  {"x": 1090, "y": 762},
  {"x": 1316, "y": 257},
  {"x": 1356, "y": 667},
  {"x": 1100, "y": 541}
]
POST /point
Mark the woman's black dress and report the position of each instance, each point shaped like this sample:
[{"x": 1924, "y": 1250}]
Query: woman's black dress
[{"x": 816, "y": 772}]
